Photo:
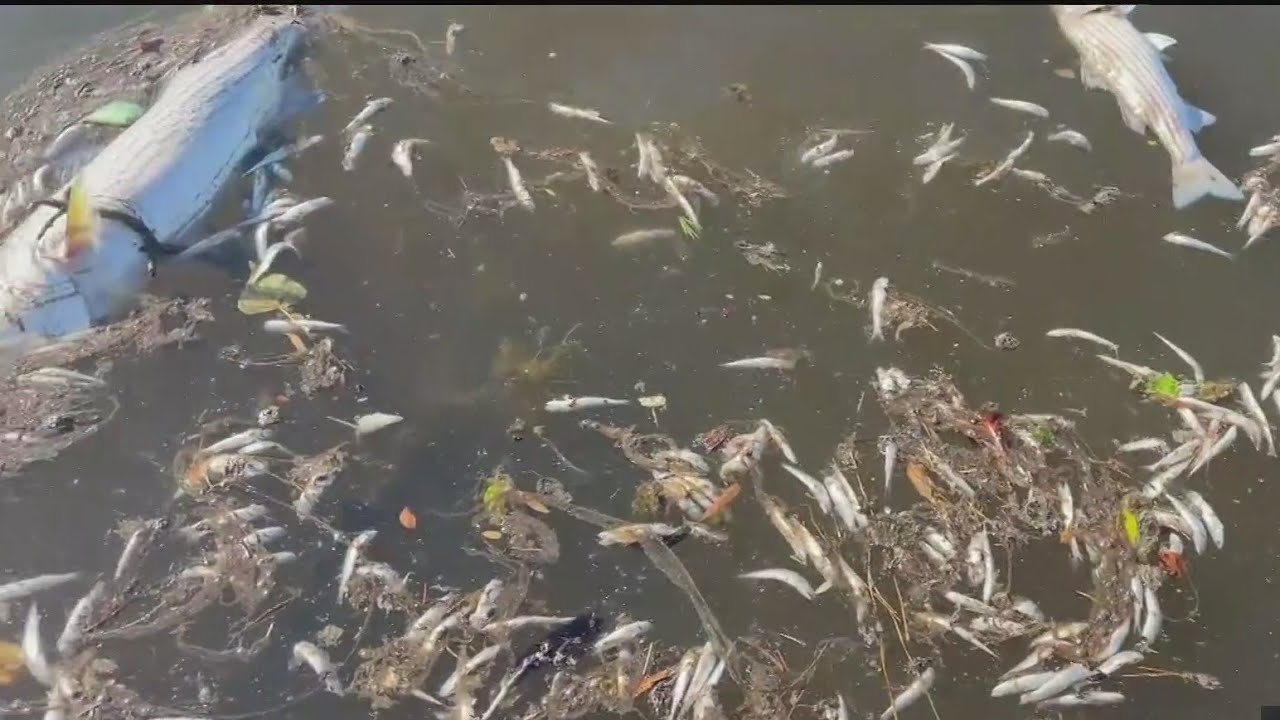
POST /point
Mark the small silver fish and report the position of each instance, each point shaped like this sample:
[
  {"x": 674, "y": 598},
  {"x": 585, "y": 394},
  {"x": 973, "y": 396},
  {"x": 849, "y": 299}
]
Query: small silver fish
[
  {"x": 817, "y": 151},
  {"x": 1153, "y": 444},
  {"x": 879, "y": 295},
  {"x": 1154, "y": 617},
  {"x": 402, "y": 155},
  {"x": 19, "y": 589},
  {"x": 33, "y": 649},
  {"x": 1251, "y": 404},
  {"x": 517, "y": 185},
  {"x": 782, "y": 575},
  {"x": 943, "y": 147},
  {"x": 464, "y": 670},
  {"x": 517, "y": 623},
  {"x": 1120, "y": 660},
  {"x": 134, "y": 549},
  {"x": 890, "y": 450},
  {"x": 1207, "y": 516},
  {"x": 358, "y": 544},
  {"x": 961, "y": 51},
  {"x": 78, "y": 619},
  {"x": 1186, "y": 357},
  {"x": 1022, "y": 684},
  {"x": 643, "y": 237},
  {"x": 684, "y": 676},
  {"x": 592, "y": 171},
  {"x": 572, "y": 404},
  {"x": 355, "y": 147},
  {"x": 832, "y": 158},
  {"x": 284, "y": 217},
  {"x": 451, "y": 34},
  {"x": 487, "y": 604},
  {"x": 959, "y": 60},
  {"x": 1007, "y": 162},
  {"x": 1184, "y": 240},
  {"x": 1021, "y": 106},
  {"x": 284, "y": 153},
  {"x": 1199, "y": 536},
  {"x": 1087, "y": 698},
  {"x": 763, "y": 362},
  {"x": 304, "y": 326},
  {"x": 911, "y": 693},
  {"x": 373, "y": 107},
  {"x": 1266, "y": 150},
  {"x": 623, "y": 635},
  {"x": 1114, "y": 642},
  {"x": 1071, "y": 137},
  {"x": 816, "y": 489},
  {"x": 1067, "y": 677},
  {"x": 318, "y": 660},
  {"x": 570, "y": 111}
]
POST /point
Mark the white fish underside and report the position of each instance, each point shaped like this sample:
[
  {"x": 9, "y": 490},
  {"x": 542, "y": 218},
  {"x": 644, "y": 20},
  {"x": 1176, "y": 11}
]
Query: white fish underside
[
  {"x": 1115, "y": 56},
  {"x": 168, "y": 169}
]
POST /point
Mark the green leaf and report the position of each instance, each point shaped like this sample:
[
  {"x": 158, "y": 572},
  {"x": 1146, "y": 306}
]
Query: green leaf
[
  {"x": 118, "y": 114},
  {"x": 689, "y": 228},
  {"x": 1164, "y": 386},
  {"x": 1129, "y": 520},
  {"x": 271, "y": 292}
]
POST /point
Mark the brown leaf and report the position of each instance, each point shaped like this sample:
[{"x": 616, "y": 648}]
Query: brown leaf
[
  {"x": 298, "y": 345},
  {"x": 722, "y": 503},
  {"x": 408, "y": 520},
  {"x": 534, "y": 503},
  {"x": 646, "y": 684},
  {"x": 920, "y": 480}
]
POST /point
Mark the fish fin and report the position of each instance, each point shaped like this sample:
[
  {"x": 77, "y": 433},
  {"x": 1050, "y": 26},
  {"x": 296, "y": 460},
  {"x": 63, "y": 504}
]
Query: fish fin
[
  {"x": 1160, "y": 41},
  {"x": 1197, "y": 119},
  {"x": 1198, "y": 178},
  {"x": 822, "y": 588}
]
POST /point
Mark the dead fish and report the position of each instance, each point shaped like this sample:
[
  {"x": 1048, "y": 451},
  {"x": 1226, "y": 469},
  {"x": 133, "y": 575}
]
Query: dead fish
[
  {"x": 1119, "y": 660},
  {"x": 355, "y": 146},
  {"x": 1144, "y": 444},
  {"x": 833, "y": 158},
  {"x": 961, "y": 632},
  {"x": 19, "y": 589},
  {"x": 633, "y": 533},
  {"x": 910, "y": 694},
  {"x": 1251, "y": 404},
  {"x": 777, "y": 360},
  {"x": 890, "y": 450},
  {"x": 402, "y": 154},
  {"x": 572, "y": 404},
  {"x": 1114, "y": 642},
  {"x": 958, "y": 60},
  {"x": 1197, "y": 371},
  {"x": 357, "y": 545},
  {"x": 636, "y": 238},
  {"x": 1071, "y": 137},
  {"x": 287, "y": 216},
  {"x": 964, "y": 602},
  {"x": 281, "y": 154},
  {"x": 932, "y": 171},
  {"x": 134, "y": 549},
  {"x": 817, "y": 151},
  {"x": 451, "y": 34},
  {"x": 1206, "y": 514},
  {"x": 843, "y": 501},
  {"x": 486, "y": 604},
  {"x": 1022, "y": 684},
  {"x": 879, "y": 295},
  {"x": 303, "y": 326},
  {"x": 373, "y": 107},
  {"x": 464, "y": 670},
  {"x": 942, "y": 148},
  {"x": 33, "y": 649},
  {"x": 1083, "y": 335},
  {"x": 1067, "y": 677},
  {"x": 1264, "y": 218},
  {"x": 1266, "y": 150},
  {"x": 961, "y": 51},
  {"x": 816, "y": 489},
  {"x": 78, "y": 620},
  {"x": 268, "y": 258},
  {"x": 1007, "y": 162},
  {"x": 1184, "y": 240},
  {"x": 1021, "y": 106},
  {"x": 782, "y": 575},
  {"x": 318, "y": 660},
  {"x": 622, "y": 635},
  {"x": 778, "y": 518},
  {"x": 517, "y": 623},
  {"x": 517, "y": 185},
  {"x": 684, "y": 676},
  {"x": 1154, "y": 617},
  {"x": 1087, "y": 698},
  {"x": 1199, "y": 536},
  {"x": 233, "y": 443},
  {"x": 576, "y": 112},
  {"x": 592, "y": 171}
]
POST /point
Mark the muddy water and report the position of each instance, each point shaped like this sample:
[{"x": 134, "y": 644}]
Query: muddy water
[{"x": 429, "y": 302}]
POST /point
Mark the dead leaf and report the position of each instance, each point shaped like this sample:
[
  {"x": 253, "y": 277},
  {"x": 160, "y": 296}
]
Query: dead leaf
[
  {"x": 491, "y": 534},
  {"x": 299, "y": 346},
  {"x": 722, "y": 503},
  {"x": 920, "y": 480},
  {"x": 408, "y": 520},
  {"x": 646, "y": 684},
  {"x": 534, "y": 503},
  {"x": 10, "y": 662}
]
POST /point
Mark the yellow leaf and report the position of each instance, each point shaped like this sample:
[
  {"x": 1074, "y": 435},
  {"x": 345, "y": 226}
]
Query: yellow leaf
[
  {"x": 535, "y": 504},
  {"x": 1130, "y": 519},
  {"x": 82, "y": 221},
  {"x": 254, "y": 305},
  {"x": 491, "y": 535},
  {"x": 10, "y": 662},
  {"x": 920, "y": 480}
]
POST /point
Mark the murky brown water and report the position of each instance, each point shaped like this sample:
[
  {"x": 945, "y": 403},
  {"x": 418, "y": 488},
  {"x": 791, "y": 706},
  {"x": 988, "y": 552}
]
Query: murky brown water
[{"x": 428, "y": 303}]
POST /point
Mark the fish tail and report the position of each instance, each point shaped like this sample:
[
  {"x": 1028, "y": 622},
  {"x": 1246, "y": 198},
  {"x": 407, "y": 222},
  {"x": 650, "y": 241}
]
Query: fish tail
[{"x": 1196, "y": 179}]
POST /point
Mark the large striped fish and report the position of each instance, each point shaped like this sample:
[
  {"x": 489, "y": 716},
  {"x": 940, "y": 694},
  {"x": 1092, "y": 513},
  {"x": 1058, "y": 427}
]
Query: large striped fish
[
  {"x": 151, "y": 186},
  {"x": 1115, "y": 56}
]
